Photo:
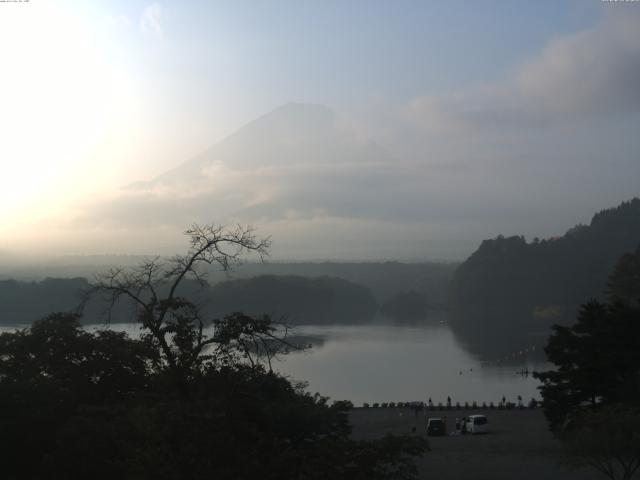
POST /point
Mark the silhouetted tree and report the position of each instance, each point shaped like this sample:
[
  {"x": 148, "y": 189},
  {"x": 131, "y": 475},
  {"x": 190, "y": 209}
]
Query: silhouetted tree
[
  {"x": 77, "y": 404},
  {"x": 597, "y": 359},
  {"x": 152, "y": 288},
  {"x": 52, "y": 371},
  {"x": 592, "y": 398},
  {"x": 624, "y": 282},
  {"x": 607, "y": 439},
  {"x": 180, "y": 402}
]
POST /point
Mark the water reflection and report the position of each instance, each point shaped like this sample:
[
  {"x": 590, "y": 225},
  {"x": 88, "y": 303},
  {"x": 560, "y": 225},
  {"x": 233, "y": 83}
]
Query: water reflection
[
  {"x": 385, "y": 362},
  {"x": 391, "y": 363}
]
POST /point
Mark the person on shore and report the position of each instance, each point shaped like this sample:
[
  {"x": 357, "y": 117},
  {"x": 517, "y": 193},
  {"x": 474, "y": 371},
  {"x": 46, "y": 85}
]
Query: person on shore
[{"x": 463, "y": 430}]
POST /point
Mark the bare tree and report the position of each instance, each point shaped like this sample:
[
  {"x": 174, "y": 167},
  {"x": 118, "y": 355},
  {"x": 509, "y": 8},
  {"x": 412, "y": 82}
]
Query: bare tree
[
  {"x": 174, "y": 323},
  {"x": 239, "y": 337}
]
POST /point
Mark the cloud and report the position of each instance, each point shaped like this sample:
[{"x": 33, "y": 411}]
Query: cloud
[
  {"x": 533, "y": 154},
  {"x": 151, "y": 20},
  {"x": 591, "y": 73}
]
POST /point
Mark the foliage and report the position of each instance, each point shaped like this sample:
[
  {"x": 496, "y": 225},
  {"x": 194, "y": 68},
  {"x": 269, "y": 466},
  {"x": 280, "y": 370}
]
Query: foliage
[
  {"x": 383, "y": 279},
  {"x": 52, "y": 371},
  {"x": 495, "y": 292},
  {"x": 624, "y": 282},
  {"x": 592, "y": 399},
  {"x": 170, "y": 321},
  {"x": 597, "y": 359},
  {"x": 70, "y": 409},
  {"x": 352, "y": 285},
  {"x": 57, "y": 354},
  {"x": 607, "y": 439},
  {"x": 566, "y": 270},
  {"x": 183, "y": 401},
  {"x": 53, "y": 294},
  {"x": 301, "y": 300},
  {"x": 239, "y": 337}
]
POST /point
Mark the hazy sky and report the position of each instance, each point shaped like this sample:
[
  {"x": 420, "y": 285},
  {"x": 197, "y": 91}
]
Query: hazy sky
[{"x": 455, "y": 121}]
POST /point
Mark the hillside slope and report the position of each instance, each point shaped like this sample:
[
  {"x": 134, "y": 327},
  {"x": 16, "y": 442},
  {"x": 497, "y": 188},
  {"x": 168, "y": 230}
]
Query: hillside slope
[{"x": 510, "y": 287}]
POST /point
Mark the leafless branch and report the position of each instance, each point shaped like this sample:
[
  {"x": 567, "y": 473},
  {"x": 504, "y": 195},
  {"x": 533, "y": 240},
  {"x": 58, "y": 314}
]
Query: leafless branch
[{"x": 151, "y": 287}]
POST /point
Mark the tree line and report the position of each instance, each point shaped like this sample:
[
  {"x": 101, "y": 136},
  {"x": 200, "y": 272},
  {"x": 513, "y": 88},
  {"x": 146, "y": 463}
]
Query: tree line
[
  {"x": 592, "y": 397},
  {"x": 509, "y": 287}
]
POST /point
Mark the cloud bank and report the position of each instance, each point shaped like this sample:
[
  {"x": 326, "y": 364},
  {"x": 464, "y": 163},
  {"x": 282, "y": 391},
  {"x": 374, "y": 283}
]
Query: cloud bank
[
  {"x": 592, "y": 73},
  {"x": 552, "y": 142}
]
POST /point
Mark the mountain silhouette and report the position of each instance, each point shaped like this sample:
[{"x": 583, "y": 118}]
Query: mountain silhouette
[
  {"x": 291, "y": 135},
  {"x": 300, "y": 161}
]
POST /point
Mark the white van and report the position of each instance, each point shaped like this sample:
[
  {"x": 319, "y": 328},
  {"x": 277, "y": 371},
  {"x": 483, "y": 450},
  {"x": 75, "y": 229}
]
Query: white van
[{"x": 477, "y": 424}]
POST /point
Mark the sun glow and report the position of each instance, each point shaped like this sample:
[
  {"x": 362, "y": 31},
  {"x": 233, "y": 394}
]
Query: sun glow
[{"x": 66, "y": 109}]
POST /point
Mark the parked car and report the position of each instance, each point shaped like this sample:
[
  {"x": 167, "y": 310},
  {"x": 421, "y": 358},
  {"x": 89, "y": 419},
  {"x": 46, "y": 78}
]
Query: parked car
[
  {"x": 477, "y": 424},
  {"x": 435, "y": 426}
]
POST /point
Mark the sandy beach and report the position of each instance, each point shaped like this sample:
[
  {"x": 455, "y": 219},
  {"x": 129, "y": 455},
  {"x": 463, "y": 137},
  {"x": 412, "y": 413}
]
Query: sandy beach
[{"x": 518, "y": 446}]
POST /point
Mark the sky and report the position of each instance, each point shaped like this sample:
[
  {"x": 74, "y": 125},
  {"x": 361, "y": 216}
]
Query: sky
[{"x": 418, "y": 128}]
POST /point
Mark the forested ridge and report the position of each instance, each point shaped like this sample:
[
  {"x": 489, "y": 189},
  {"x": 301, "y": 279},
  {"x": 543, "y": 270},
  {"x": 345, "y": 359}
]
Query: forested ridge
[
  {"x": 305, "y": 292},
  {"x": 510, "y": 287},
  {"x": 298, "y": 299},
  {"x": 24, "y": 302}
]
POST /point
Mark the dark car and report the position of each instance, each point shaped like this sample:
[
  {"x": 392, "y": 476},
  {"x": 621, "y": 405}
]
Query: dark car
[{"x": 435, "y": 426}]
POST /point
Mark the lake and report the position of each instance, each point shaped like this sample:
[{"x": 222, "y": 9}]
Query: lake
[
  {"x": 385, "y": 362},
  {"x": 391, "y": 363}
]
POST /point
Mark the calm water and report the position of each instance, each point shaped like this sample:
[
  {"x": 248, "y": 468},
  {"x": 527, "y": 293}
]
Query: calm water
[
  {"x": 388, "y": 363},
  {"x": 391, "y": 363}
]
